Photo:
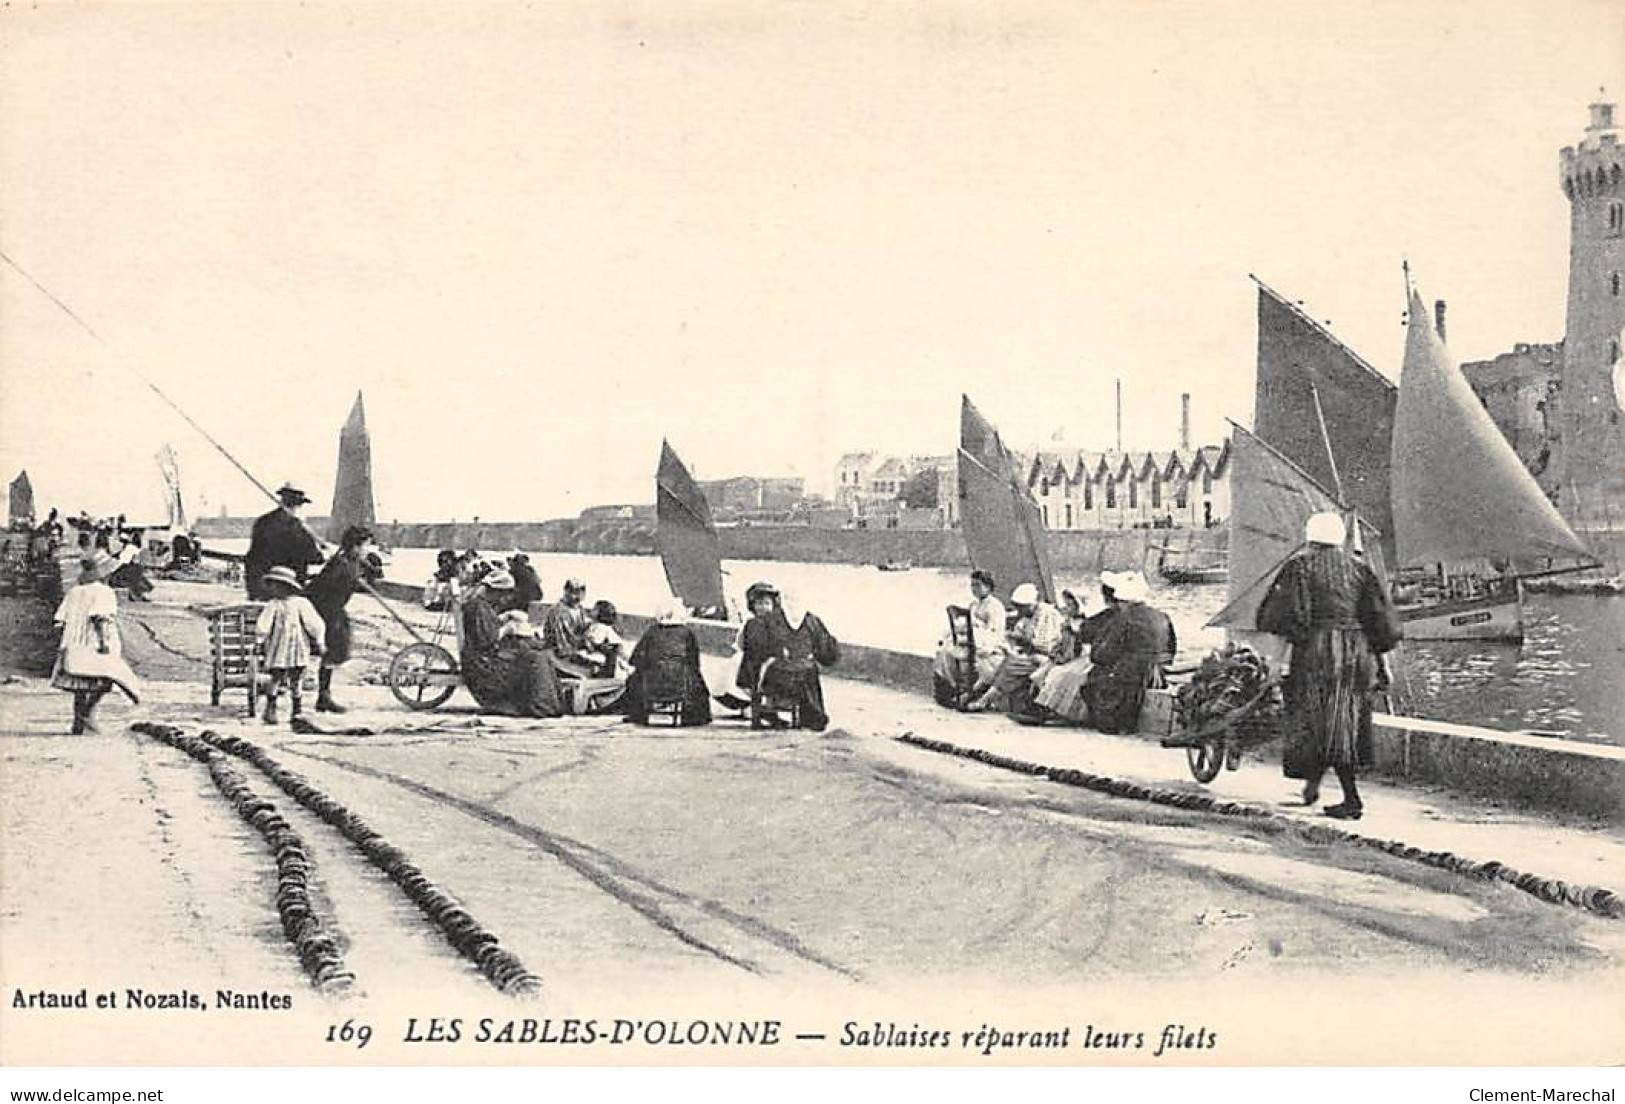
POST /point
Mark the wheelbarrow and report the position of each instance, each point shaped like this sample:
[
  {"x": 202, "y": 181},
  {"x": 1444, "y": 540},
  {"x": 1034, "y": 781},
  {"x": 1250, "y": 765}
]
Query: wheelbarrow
[{"x": 1221, "y": 741}]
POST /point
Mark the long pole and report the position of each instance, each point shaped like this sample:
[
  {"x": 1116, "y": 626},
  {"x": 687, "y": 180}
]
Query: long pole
[
  {"x": 1119, "y": 415},
  {"x": 205, "y": 434}
]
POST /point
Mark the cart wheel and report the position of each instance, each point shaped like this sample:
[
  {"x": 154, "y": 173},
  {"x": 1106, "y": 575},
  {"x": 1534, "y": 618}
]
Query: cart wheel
[
  {"x": 407, "y": 673},
  {"x": 1205, "y": 759}
]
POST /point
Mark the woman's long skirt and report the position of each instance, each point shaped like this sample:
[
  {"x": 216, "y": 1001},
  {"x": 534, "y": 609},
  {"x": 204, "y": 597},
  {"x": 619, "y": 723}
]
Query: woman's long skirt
[
  {"x": 1061, "y": 692},
  {"x": 1328, "y": 704}
]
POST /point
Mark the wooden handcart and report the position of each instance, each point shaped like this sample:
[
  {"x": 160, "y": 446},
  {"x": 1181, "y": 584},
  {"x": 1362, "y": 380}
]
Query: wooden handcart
[
  {"x": 1221, "y": 742},
  {"x": 424, "y": 674},
  {"x": 235, "y": 657}
]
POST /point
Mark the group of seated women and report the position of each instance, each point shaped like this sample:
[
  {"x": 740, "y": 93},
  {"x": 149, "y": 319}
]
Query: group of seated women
[
  {"x": 1056, "y": 663},
  {"x": 577, "y": 661}
]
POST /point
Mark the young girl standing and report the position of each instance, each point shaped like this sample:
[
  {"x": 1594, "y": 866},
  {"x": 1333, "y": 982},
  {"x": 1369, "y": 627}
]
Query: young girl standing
[
  {"x": 291, "y": 631},
  {"x": 89, "y": 661}
]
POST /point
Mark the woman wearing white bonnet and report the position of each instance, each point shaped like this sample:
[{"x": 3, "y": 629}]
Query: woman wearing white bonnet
[
  {"x": 666, "y": 675},
  {"x": 1129, "y": 655},
  {"x": 1337, "y": 616}
]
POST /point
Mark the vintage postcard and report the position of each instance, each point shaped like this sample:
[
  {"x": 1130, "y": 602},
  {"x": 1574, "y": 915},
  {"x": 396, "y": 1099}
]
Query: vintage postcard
[{"x": 745, "y": 533}]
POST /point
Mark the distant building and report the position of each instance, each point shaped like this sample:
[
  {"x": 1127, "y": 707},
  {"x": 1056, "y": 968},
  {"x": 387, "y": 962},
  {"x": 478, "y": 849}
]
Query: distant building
[
  {"x": 750, "y": 494},
  {"x": 1083, "y": 489},
  {"x": 852, "y": 475},
  {"x": 1522, "y": 390}
]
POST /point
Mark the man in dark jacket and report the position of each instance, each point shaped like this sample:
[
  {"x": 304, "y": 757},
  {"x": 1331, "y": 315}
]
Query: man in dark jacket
[
  {"x": 280, "y": 539},
  {"x": 527, "y": 585},
  {"x": 330, "y": 592}
]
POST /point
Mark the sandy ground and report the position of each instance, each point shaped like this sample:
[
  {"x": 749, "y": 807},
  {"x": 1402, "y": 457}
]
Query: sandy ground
[{"x": 664, "y": 864}]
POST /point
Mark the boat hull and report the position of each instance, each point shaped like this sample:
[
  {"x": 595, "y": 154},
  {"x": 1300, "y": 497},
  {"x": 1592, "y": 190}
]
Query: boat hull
[
  {"x": 1498, "y": 619},
  {"x": 1195, "y": 575}
]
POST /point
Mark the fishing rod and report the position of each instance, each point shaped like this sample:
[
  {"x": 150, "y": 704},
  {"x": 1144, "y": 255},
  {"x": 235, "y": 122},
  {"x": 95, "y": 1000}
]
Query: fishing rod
[{"x": 189, "y": 420}]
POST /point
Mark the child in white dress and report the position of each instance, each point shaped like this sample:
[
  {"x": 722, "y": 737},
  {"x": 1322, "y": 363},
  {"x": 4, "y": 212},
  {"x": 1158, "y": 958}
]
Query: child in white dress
[{"x": 291, "y": 632}]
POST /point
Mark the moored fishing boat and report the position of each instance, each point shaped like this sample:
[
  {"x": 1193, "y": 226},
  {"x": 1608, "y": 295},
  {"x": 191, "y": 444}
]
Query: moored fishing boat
[
  {"x": 686, "y": 537},
  {"x": 1003, "y": 526},
  {"x": 1466, "y": 511}
]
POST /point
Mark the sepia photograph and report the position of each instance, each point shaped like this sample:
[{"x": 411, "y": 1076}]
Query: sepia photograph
[{"x": 770, "y": 533}]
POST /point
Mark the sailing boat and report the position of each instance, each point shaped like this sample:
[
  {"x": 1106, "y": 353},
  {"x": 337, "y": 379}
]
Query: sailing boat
[
  {"x": 352, "y": 484},
  {"x": 22, "y": 500},
  {"x": 174, "y": 507},
  {"x": 1271, "y": 499},
  {"x": 1004, "y": 530},
  {"x": 1464, "y": 505},
  {"x": 686, "y": 538}
]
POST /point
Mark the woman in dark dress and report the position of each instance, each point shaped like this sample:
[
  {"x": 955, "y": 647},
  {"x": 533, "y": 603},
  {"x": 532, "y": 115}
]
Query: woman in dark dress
[
  {"x": 666, "y": 667},
  {"x": 330, "y": 592},
  {"x": 783, "y": 647},
  {"x": 1341, "y": 624},
  {"x": 507, "y": 674},
  {"x": 1128, "y": 657}
]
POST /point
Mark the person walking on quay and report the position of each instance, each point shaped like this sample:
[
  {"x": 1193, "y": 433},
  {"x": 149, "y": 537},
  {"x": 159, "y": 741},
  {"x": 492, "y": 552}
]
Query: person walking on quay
[
  {"x": 1334, "y": 612},
  {"x": 330, "y": 593},
  {"x": 280, "y": 539},
  {"x": 90, "y": 660},
  {"x": 291, "y": 632}
]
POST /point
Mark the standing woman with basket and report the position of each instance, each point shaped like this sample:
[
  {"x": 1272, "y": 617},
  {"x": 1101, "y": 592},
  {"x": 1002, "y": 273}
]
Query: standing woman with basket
[
  {"x": 90, "y": 661},
  {"x": 1337, "y": 616}
]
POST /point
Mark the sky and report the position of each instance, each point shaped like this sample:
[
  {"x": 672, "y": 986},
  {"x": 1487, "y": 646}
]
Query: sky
[{"x": 540, "y": 238}]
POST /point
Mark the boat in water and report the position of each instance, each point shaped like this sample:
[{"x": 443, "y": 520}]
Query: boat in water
[
  {"x": 896, "y": 565},
  {"x": 21, "y": 501},
  {"x": 1192, "y": 566},
  {"x": 1003, "y": 526},
  {"x": 686, "y": 537},
  {"x": 1271, "y": 498},
  {"x": 1322, "y": 406},
  {"x": 1470, "y": 521}
]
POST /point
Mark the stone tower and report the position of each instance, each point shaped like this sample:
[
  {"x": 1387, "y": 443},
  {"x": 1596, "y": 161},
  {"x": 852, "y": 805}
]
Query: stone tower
[{"x": 1591, "y": 446}]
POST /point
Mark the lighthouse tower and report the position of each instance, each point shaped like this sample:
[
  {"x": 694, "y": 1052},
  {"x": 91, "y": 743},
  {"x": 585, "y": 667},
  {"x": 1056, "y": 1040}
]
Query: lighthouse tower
[{"x": 1591, "y": 446}]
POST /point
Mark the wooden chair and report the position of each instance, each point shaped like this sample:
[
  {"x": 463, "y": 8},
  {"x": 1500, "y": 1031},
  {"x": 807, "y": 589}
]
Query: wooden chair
[
  {"x": 236, "y": 660},
  {"x": 767, "y": 708},
  {"x": 962, "y": 631}
]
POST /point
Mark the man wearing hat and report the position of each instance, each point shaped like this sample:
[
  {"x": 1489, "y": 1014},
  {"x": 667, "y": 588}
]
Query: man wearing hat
[{"x": 280, "y": 539}]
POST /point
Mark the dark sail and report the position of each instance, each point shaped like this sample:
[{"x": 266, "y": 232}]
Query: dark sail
[
  {"x": 1270, "y": 500},
  {"x": 22, "y": 498},
  {"x": 352, "y": 488},
  {"x": 1300, "y": 361},
  {"x": 689, "y": 549},
  {"x": 1004, "y": 530}
]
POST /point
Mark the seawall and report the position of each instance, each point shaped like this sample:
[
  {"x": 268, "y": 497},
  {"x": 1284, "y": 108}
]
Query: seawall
[{"x": 1086, "y": 551}]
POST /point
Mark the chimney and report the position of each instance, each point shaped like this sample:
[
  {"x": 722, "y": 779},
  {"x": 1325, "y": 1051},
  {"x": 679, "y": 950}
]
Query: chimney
[
  {"x": 1185, "y": 422},
  {"x": 1438, "y": 318}
]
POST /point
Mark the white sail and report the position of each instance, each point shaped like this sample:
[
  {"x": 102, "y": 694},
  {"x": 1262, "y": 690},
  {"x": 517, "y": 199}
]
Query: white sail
[{"x": 1460, "y": 493}]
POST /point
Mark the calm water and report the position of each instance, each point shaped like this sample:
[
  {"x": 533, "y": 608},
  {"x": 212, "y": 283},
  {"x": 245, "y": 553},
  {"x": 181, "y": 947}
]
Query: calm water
[{"x": 1568, "y": 677}]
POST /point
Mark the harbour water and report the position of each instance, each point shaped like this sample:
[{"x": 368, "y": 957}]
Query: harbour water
[{"x": 1567, "y": 678}]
